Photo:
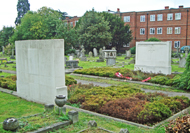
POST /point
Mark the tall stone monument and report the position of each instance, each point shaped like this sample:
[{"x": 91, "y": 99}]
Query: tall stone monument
[
  {"x": 153, "y": 57},
  {"x": 40, "y": 70},
  {"x": 95, "y": 52}
]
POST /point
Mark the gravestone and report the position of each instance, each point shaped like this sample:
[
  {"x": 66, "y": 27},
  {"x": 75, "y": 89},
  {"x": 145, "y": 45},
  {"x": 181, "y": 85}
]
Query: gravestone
[
  {"x": 186, "y": 49},
  {"x": 77, "y": 52},
  {"x": 101, "y": 59},
  {"x": 90, "y": 54},
  {"x": 103, "y": 54},
  {"x": 12, "y": 55},
  {"x": 65, "y": 59},
  {"x": 95, "y": 52},
  {"x": 182, "y": 62},
  {"x": 153, "y": 57},
  {"x": 70, "y": 57},
  {"x": 110, "y": 56},
  {"x": 83, "y": 57},
  {"x": 40, "y": 70},
  {"x": 128, "y": 54}
]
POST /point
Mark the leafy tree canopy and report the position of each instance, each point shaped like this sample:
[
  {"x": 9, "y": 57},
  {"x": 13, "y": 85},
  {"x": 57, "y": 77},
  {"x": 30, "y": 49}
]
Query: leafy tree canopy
[
  {"x": 93, "y": 31},
  {"x": 121, "y": 34},
  {"x": 23, "y": 7},
  {"x": 5, "y": 34}
]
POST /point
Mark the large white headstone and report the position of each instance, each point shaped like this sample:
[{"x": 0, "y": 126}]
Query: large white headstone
[
  {"x": 40, "y": 70},
  {"x": 153, "y": 57}
]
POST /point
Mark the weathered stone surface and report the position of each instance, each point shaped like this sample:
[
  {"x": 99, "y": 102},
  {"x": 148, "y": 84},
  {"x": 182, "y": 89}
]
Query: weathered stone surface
[
  {"x": 92, "y": 123},
  {"x": 182, "y": 62},
  {"x": 124, "y": 131},
  {"x": 10, "y": 124},
  {"x": 73, "y": 115}
]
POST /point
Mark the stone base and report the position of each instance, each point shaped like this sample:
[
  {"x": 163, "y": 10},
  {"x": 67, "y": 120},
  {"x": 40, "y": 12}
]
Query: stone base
[
  {"x": 60, "y": 110},
  {"x": 12, "y": 57},
  {"x": 153, "y": 69},
  {"x": 100, "y": 60},
  {"x": 83, "y": 59},
  {"x": 110, "y": 62}
]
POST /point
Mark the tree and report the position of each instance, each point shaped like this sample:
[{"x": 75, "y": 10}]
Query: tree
[
  {"x": 152, "y": 39},
  {"x": 37, "y": 25},
  {"x": 5, "y": 34},
  {"x": 23, "y": 7},
  {"x": 93, "y": 31},
  {"x": 121, "y": 34}
]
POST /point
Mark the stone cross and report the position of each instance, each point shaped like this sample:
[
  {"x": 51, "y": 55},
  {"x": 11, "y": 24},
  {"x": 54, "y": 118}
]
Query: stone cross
[
  {"x": 83, "y": 50},
  {"x": 12, "y": 56},
  {"x": 186, "y": 49}
]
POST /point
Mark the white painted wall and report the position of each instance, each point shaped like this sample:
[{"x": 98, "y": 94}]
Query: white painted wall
[
  {"x": 153, "y": 57},
  {"x": 40, "y": 70}
]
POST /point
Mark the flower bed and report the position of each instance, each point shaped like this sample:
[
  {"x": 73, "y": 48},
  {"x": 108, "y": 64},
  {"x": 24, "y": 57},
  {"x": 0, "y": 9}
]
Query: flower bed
[
  {"x": 131, "y": 75},
  {"x": 127, "y": 102}
]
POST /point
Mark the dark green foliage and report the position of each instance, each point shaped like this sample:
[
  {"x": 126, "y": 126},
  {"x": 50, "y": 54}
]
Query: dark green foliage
[
  {"x": 153, "y": 39},
  {"x": 133, "y": 50},
  {"x": 154, "y": 112},
  {"x": 183, "y": 81},
  {"x": 70, "y": 81},
  {"x": 23, "y": 7},
  {"x": 5, "y": 34},
  {"x": 121, "y": 34},
  {"x": 93, "y": 31}
]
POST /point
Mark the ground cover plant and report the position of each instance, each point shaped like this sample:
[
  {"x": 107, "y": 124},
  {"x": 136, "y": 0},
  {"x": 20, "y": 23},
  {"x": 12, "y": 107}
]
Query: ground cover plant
[
  {"x": 127, "y": 102},
  {"x": 132, "y": 75}
]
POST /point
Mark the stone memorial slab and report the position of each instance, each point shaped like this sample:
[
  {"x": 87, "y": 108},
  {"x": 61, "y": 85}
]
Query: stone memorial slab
[
  {"x": 40, "y": 70},
  {"x": 90, "y": 54},
  {"x": 95, "y": 52},
  {"x": 128, "y": 54},
  {"x": 182, "y": 62},
  {"x": 70, "y": 57},
  {"x": 153, "y": 57}
]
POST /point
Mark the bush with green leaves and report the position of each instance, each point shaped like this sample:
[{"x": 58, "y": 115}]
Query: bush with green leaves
[
  {"x": 133, "y": 50},
  {"x": 184, "y": 81},
  {"x": 153, "y": 39},
  {"x": 70, "y": 80},
  {"x": 9, "y": 82}
]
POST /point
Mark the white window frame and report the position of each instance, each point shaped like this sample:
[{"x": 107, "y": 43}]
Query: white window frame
[
  {"x": 177, "y": 30},
  {"x": 142, "y": 18},
  {"x": 176, "y": 43},
  {"x": 126, "y": 45},
  {"x": 170, "y": 16},
  {"x": 177, "y": 16},
  {"x": 159, "y": 29},
  {"x": 152, "y": 30},
  {"x": 126, "y": 18},
  {"x": 141, "y": 31},
  {"x": 169, "y": 30},
  {"x": 160, "y": 17},
  {"x": 152, "y": 17}
]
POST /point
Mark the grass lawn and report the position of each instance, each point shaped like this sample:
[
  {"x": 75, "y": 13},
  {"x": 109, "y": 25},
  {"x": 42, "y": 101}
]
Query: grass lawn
[
  {"x": 12, "y": 106},
  {"x": 106, "y": 124}
]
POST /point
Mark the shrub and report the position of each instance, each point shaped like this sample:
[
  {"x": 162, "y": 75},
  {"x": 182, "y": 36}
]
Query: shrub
[
  {"x": 127, "y": 109},
  {"x": 70, "y": 80},
  {"x": 133, "y": 50},
  {"x": 154, "y": 112},
  {"x": 159, "y": 80},
  {"x": 153, "y": 39}
]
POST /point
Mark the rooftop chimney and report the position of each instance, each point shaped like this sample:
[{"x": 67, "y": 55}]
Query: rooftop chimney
[
  {"x": 166, "y": 7},
  {"x": 181, "y": 6},
  {"x": 118, "y": 10}
]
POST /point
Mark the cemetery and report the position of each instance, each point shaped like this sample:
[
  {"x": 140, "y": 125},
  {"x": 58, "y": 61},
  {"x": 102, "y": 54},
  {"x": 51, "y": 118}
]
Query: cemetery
[{"x": 124, "y": 100}]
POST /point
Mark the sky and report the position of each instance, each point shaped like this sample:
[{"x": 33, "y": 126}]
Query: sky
[{"x": 8, "y": 8}]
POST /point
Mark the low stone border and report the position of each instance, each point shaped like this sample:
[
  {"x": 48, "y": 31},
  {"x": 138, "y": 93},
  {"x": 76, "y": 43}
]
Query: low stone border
[
  {"x": 55, "y": 126},
  {"x": 185, "y": 111},
  {"x": 122, "y": 80}
]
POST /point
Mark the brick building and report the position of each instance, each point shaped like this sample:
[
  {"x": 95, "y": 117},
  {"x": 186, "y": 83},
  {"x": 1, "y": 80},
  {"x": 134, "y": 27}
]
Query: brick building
[{"x": 169, "y": 24}]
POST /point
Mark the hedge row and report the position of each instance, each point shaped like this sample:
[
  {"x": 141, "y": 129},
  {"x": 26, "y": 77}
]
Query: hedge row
[
  {"x": 127, "y": 102},
  {"x": 10, "y": 82}
]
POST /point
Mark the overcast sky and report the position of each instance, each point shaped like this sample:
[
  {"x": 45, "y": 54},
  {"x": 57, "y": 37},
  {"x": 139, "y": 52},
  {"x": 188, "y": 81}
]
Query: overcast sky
[{"x": 8, "y": 11}]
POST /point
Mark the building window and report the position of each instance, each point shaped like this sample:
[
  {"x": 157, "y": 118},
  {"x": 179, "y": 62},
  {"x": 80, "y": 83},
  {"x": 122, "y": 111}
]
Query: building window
[
  {"x": 159, "y": 17},
  {"x": 126, "y": 45},
  {"x": 159, "y": 30},
  {"x": 152, "y": 30},
  {"x": 177, "y": 16},
  {"x": 177, "y": 44},
  {"x": 126, "y": 18},
  {"x": 152, "y": 17},
  {"x": 76, "y": 22},
  {"x": 169, "y": 30},
  {"x": 177, "y": 30},
  {"x": 170, "y": 16},
  {"x": 71, "y": 23},
  {"x": 142, "y": 18},
  {"x": 142, "y": 31}
]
